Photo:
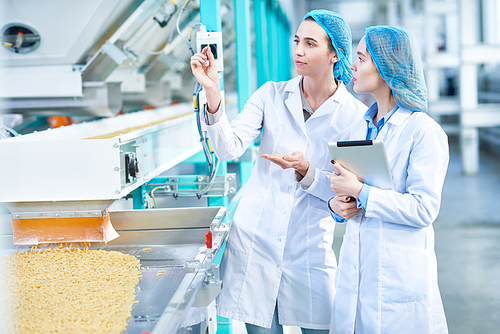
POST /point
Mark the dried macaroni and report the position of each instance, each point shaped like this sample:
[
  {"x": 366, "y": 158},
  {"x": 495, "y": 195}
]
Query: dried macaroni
[{"x": 70, "y": 290}]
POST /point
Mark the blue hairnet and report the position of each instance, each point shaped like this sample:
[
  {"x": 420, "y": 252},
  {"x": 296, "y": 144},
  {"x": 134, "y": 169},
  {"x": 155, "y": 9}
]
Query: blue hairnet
[
  {"x": 339, "y": 32},
  {"x": 396, "y": 56}
]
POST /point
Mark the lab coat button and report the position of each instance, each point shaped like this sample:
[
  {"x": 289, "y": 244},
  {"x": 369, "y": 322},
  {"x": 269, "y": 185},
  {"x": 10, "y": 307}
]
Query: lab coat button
[
  {"x": 278, "y": 266},
  {"x": 290, "y": 187},
  {"x": 355, "y": 268},
  {"x": 284, "y": 212},
  {"x": 279, "y": 240}
]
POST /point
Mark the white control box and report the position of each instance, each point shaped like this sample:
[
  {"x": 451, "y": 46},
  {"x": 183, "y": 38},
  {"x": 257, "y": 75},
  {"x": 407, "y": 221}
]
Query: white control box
[{"x": 214, "y": 39}]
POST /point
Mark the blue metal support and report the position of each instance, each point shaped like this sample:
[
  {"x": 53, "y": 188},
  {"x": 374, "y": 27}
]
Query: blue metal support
[
  {"x": 210, "y": 14},
  {"x": 260, "y": 25},
  {"x": 210, "y": 17},
  {"x": 138, "y": 198},
  {"x": 272, "y": 42},
  {"x": 284, "y": 46},
  {"x": 273, "y": 56},
  {"x": 243, "y": 51},
  {"x": 243, "y": 68}
]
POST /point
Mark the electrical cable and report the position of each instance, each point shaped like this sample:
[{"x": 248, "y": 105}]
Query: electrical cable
[
  {"x": 209, "y": 155},
  {"x": 179, "y": 30},
  {"x": 153, "y": 194},
  {"x": 207, "y": 150},
  {"x": 191, "y": 30},
  {"x": 203, "y": 139}
]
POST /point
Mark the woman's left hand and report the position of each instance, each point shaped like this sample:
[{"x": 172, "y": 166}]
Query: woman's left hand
[
  {"x": 345, "y": 207},
  {"x": 295, "y": 160},
  {"x": 345, "y": 183}
]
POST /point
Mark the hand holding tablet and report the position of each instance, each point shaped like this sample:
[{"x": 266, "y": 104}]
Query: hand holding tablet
[{"x": 365, "y": 158}]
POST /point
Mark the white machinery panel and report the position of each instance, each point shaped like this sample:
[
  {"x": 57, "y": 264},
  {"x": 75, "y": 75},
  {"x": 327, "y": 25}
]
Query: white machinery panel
[
  {"x": 40, "y": 81},
  {"x": 101, "y": 160},
  {"x": 59, "y": 170}
]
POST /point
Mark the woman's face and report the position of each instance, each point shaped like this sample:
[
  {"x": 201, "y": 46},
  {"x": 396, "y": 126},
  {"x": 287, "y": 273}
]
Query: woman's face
[
  {"x": 311, "y": 53},
  {"x": 365, "y": 77}
]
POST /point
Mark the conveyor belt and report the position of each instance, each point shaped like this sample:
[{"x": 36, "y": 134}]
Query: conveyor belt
[
  {"x": 154, "y": 295},
  {"x": 155, "y": 292}
]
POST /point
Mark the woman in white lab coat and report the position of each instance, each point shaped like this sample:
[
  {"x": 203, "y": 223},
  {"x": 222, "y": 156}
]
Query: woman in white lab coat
[
  {"x": 279, "y": 266},
  {"x": 387, "y": 276}
]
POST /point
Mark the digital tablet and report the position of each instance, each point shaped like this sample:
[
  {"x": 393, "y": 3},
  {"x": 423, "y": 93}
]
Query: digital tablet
[{"x": 365, "y": 158}]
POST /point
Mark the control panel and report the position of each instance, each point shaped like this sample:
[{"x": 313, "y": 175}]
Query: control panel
[{"x": 213, "y": 39}]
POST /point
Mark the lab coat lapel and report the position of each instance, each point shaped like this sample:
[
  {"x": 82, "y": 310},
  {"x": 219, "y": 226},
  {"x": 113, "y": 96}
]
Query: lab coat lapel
[
  {"x": 294, "y": 103},
  {"x": 333, "y": 103},
  {"x": 359, "y": 132},
  {"x": 396, "y": 120}
]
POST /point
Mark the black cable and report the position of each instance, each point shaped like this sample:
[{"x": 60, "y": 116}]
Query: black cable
[{"x": 203, "y": 139}]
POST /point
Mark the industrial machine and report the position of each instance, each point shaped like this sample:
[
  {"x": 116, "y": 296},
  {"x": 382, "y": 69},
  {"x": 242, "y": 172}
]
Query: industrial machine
[{"x": 112, "y": 58}]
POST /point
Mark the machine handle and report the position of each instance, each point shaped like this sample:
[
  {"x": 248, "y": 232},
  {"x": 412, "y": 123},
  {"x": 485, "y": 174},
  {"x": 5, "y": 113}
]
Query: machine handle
[{"x": 208, "y": 242}]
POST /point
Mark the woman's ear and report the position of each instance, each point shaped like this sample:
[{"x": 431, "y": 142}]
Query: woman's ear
[{"x": 334, "y": 58}]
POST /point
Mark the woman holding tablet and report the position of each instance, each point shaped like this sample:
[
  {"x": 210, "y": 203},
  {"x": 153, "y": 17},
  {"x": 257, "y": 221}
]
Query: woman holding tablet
[{"x": 386, "y": 281}]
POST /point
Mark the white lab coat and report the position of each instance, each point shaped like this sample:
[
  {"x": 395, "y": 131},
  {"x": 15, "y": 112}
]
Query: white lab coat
[
  {"x": 387, "y": 276},
  {"x": 280, "y": 242}
]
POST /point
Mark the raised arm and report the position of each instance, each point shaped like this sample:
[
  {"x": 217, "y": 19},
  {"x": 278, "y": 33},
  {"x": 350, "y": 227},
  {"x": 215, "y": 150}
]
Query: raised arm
[{"x": 204, "y": 69}]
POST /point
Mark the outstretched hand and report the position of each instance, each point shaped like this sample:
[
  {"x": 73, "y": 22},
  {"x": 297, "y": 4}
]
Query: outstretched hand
[
  {"x": 345, "y": 183},
  {"x": 295, "y": 160}
]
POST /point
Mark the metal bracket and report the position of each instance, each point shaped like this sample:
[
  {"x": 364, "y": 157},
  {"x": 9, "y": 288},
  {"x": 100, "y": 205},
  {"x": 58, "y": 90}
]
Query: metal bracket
[
  {"x": 207, "y": 293},
  {"x": 212, "y": 272},
  {"x": 223, "y": 185}
]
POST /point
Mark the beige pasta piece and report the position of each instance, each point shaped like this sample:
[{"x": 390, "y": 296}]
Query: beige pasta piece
[{"x": 127, "y": 130}]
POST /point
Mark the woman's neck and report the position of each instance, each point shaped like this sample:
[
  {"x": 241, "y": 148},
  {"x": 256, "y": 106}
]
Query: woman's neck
[
  {"x": 318, "y": 90},
  {"x": 385, "y": 103}
]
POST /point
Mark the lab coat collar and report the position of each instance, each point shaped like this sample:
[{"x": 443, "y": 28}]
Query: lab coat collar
[
  {"x": 400, "y": 116},
  {"x": 341, "y": 95},
  {"x": 334, "y": 102},
  {"x": 294, "y": 102},
  {"x": 293, "y": 84}
]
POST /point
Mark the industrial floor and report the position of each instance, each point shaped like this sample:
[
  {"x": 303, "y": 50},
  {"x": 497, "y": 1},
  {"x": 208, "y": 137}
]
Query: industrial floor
[{"x": 467, "y": 248}]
